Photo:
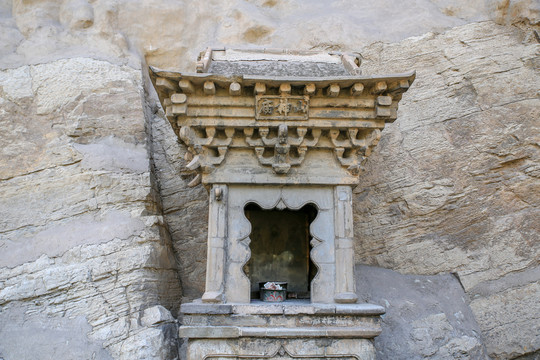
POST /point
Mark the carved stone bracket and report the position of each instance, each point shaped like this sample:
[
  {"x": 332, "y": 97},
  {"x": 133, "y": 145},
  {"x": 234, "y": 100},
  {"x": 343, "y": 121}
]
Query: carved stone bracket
[
  {"x": 358, "y": 148},
  {"x": 281, "y": 121},
  {"x": 279, "y": 147}
]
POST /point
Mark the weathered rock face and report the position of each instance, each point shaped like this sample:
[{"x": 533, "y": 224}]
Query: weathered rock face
[
  {"x": 185, "y": 209},
  {"x": 460, "y": 170},
  {"x": 427, "y": 316},
  {"x": 170, "y": 34},
  {"x": 85, "y": 252},
  {"x": 88, "y": 165}
]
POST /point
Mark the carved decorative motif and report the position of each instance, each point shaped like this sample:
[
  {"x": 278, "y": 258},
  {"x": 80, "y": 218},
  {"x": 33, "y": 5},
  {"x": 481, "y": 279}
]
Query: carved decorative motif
[
  {"x": 282, "y": 353},
  {"x": 322, "y": 242},
  {"x": 278, "y": 146},
  {"x": 279, "y": 120}
]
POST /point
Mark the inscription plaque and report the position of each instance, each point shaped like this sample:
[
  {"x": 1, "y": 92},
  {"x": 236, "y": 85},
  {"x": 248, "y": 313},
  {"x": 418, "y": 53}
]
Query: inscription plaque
[{"x": 279, "y": 107}]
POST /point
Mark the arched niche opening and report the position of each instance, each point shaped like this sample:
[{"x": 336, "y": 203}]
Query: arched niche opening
[{"x": 280, "y": 248}]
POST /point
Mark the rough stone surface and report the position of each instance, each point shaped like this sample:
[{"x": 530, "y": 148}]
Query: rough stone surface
[
  {"x": 460, "y": 170},
  {"x": 275, "y": 68},
  {"x": 87, "y": 250},
  {"x": 185, "y": 209},
  {"x": 452, "y": 186},
  {"x": 41, "y": 31},
  {"x": 29, "y": 336},
  {"x": 427, "y": 317}
]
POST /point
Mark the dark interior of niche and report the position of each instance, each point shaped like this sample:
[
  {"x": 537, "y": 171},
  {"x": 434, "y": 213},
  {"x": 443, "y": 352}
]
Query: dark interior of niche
[{"x": 280, "y": 249}]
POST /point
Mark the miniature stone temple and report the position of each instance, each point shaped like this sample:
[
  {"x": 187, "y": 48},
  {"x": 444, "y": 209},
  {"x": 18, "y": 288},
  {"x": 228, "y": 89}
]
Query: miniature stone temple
[{"x": 279, "y": 138}]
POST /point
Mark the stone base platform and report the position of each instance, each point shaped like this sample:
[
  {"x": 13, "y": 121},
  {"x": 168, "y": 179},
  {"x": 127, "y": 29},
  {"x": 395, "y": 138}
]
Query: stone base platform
[{"x": 288, "y": 330}]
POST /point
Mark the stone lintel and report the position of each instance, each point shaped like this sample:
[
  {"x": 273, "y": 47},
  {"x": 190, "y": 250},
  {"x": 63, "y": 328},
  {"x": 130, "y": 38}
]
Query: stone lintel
[
  {"x": 272, "y": 179},
  {"x": 324, "y": 124}
]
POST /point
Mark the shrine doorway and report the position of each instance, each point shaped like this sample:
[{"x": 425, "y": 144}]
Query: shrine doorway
[{"x": 280, "y": 249}]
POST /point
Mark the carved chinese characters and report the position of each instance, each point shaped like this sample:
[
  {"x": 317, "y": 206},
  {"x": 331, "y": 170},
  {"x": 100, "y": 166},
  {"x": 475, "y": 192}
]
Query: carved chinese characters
[{"x": 281, "y": 107}]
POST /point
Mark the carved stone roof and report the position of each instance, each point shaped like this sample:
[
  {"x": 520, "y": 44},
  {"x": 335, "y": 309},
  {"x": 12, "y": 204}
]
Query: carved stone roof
[
  {"x": 277, "y": 63},
  {"x": 282, "y": 129}
]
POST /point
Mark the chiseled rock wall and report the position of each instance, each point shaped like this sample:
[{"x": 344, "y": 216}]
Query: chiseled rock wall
[{"x": 98, "y": 228}]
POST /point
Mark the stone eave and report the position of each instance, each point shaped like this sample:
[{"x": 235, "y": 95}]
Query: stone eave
[
  {"x": 287, "y": 116},
  {"x": 168, "y": 83},
  {"x": 250, "y": 80}
]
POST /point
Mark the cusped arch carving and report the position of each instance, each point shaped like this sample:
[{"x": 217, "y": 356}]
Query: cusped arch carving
[{"x": 321, "y": 239}]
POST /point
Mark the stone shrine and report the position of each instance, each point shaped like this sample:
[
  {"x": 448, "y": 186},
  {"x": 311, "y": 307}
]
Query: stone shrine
[{"x": 278, "y": 138}]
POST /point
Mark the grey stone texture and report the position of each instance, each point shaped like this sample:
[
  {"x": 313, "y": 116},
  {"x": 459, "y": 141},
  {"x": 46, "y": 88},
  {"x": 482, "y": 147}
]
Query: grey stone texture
[
  {"x": 460, "y": 169},
  {"x": 84, "y": 148},
  {"x": 426, "y": 316},
  {"x": 276, "y": 68},
  {"x": 85, "y": 252},
  {"x": 275, "y": 329},
  {"x": 30, "y": 336}
]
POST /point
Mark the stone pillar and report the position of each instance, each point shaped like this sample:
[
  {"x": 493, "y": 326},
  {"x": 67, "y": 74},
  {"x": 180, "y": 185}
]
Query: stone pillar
[
  {"x": 343, "y": 226},
  {"x": 217, "y": 235}
]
